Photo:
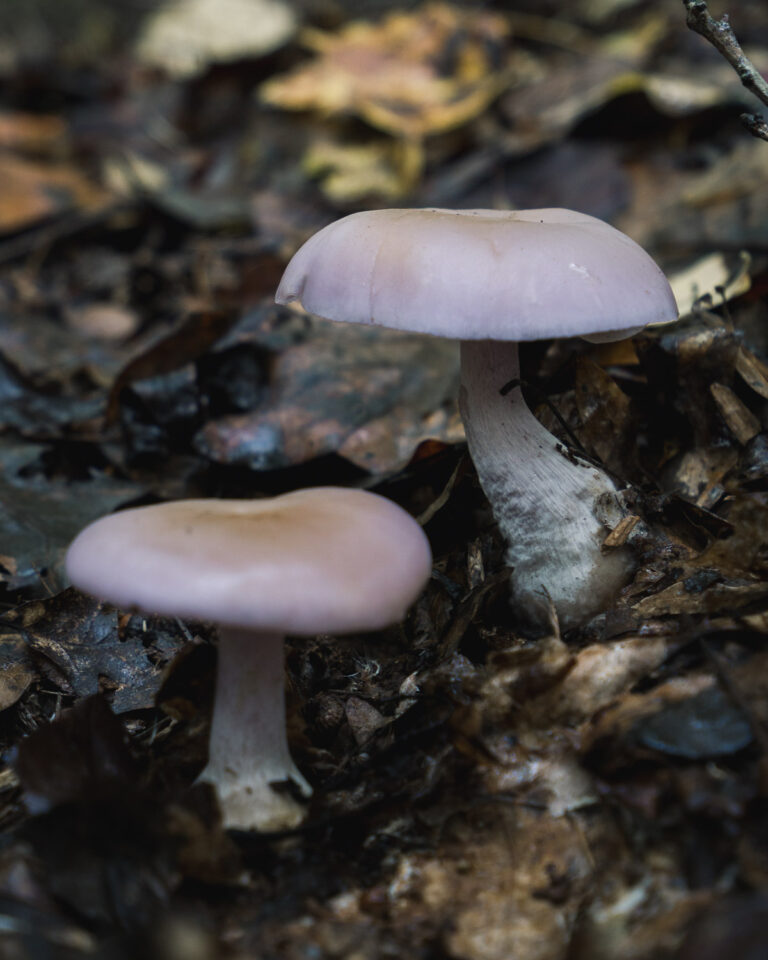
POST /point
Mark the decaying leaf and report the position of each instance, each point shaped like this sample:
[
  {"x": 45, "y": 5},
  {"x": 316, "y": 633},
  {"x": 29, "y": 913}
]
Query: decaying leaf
[
  {"x": 84, "y": 750},
  {"x": 753, "y": 371},
  {"x": 698, "y": 474},
  {"x": 352, "y": 172},
  {"x": 30, "y": 132},
  {"x": 327, "y": 389},
  {"x": 709, "y": 280},
  {"x": 412, "y": 75},
  {"x": 742, "y": 423},
  {"x": 192, "y": 338},
  {"x": 708, "y": 724},
  {"x": 76, "y": 640},
  {"x": 17, "y": 671},
  {"x": 39, "y": 518},
  {"x": 604, "y": 412},
  {"x": 33, "y": 191}
]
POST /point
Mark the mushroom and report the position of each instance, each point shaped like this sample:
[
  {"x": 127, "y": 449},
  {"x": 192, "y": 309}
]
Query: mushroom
[
  {"x": 490, "y": 279},
  {"x": 323, "y": 560}
]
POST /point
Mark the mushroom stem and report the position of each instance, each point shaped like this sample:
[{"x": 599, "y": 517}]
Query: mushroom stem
[
  {"x": 248, "y": 743},
  {"x": 553, "y": 511}
]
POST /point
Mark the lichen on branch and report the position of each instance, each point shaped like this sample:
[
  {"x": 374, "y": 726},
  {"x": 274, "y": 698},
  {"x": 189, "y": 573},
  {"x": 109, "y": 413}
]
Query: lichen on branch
[{"x": 720, "y": 34}]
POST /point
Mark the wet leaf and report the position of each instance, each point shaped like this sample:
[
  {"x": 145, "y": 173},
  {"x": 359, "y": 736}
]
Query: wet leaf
[
  {"x": 76, "y": 640},
  {"x": 193, "y": 337},
  {"x": 39, "y": 518},
  {"x": 707, "y": 725},
  {"x": 17, "y": 671},
  {"x": 83, "y": 751},
  {"x": 604, "y": 411},
  {"x": 329, "y": 389},
  {"x": 96, "y": 831}
]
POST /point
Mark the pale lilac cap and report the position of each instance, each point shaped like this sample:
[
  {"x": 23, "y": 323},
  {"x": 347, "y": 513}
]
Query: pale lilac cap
[
  {"x": 479, "y": 274},
  {"x": 321, "y": 560}
]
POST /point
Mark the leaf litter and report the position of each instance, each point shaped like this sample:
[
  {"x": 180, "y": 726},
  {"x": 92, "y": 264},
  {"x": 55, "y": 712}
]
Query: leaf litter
[{"x": 479, "y": 792}]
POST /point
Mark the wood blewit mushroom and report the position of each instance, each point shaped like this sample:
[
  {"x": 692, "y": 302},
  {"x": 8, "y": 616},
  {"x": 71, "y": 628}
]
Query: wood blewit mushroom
[
  {"x": 322, "y": 560},
  {"x": 491, "y": 279}
]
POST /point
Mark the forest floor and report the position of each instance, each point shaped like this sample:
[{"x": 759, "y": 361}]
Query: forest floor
[{"x": 480, "y": 793}]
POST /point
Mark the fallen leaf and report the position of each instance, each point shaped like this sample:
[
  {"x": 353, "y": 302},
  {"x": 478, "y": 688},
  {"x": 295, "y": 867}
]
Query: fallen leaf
[
  {"x": 84, "y": 749},
  {"x": 708, "y": 724},
  {"x": 709, "y": 280},
  {"x": 753, "y": 371},
  {"x": 411, "y": 75},
  {"x": 740, "y": 420},
  {"x": 38, "y": 519},
  {"x": 30, "y": 132},
  {"x": 173, "y": 351},
  {"x": 326, "y": 390},
  {"x": 352, "y": 172},
  {"x": 17, "y": 671},
  {"x": 33, "y": 191},
  {"x": 76, "y": 640},
  {"x": 184, "y": 37}
]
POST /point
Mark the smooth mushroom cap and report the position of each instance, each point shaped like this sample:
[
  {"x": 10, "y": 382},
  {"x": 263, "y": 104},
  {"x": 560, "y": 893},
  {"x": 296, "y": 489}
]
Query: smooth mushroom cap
[
  {"x": 479, "y": 274},
  {"x": 313, "y": 561}
]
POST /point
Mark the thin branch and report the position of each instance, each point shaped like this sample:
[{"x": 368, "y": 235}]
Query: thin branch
[
  {"x": 756, "y": 125},
  {"x": 720, "y": 34}
]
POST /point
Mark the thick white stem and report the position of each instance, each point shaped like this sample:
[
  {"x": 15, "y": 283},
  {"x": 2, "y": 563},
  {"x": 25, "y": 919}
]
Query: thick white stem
[
  {"x": 554, "y": 512},
  {"x": 248, "y": 744}
]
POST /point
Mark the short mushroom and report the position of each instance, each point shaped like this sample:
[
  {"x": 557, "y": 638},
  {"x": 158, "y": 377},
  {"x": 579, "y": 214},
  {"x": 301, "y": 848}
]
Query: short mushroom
[
  {"x": 323, "y": 560},
  {"x": 490, "y": 279}
]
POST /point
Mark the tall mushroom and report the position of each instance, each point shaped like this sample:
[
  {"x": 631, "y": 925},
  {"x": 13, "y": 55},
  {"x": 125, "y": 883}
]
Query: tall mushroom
[
  {"x": 323, "y": 560},
  {"x": 491, "y": 279}
]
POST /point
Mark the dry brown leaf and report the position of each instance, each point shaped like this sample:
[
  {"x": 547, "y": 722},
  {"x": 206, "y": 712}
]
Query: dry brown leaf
[
  {"x": 512, "y": 888},
  {"x": 752, "y": 371},
  {"x": 599, "y": 674},
  {"x": 604, "y": 411},
  {"x": 615, "y": 721},
  {"x": 388, "y": 73},
  {"x": 712, "y": 277},
  {"x": 351, "y": 172},
  {"x": 33, "y": 132},
  {"x": 31, "y": 191},
  {"x": 698, "y": 474},
  {"x": 739, "y": 419},
  {"x": 678, "y": 599}
]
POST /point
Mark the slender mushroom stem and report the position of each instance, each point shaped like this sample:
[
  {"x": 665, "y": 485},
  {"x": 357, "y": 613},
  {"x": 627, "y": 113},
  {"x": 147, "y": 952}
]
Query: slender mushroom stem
[
  {"x": 553, "y": 511},
  {"x": 248, "y": 743}
]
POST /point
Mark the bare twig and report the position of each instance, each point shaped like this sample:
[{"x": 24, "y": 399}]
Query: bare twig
[
  {"x": 720, "y": 34},
  {"x": 757, "y": 125}
]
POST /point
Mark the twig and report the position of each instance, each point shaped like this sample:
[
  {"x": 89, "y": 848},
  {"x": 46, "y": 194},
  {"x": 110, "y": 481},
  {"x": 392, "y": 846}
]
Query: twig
[
  {"x": 756, "y": 125},
  {"x": 720, "y": 34}
]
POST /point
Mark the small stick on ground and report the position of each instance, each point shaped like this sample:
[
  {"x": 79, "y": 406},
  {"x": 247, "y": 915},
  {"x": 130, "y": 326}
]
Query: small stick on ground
[{"x": 720, "y": 34}]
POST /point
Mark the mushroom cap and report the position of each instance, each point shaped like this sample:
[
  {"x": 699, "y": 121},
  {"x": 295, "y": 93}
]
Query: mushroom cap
[
  {"x": 321, "y": 560},
  {"x": 479, "y": 274}
]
